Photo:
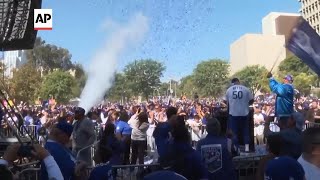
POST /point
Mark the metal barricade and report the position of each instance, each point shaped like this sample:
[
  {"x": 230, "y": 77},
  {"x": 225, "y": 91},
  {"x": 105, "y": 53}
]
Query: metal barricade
[
  {"x": 312, "y": 124},
  {"x": 246, "y": 166},
  {"x": 7, "y": 132},
  {"x": 123, "y": 172},
  {"x": 133, "y": 172},
  {"x": 29, "y": 174}
]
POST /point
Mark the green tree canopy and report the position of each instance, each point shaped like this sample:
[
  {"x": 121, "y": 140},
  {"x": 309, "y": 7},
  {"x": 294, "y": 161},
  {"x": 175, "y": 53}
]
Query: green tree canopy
[
  {"x": 25, "y": 83},
  {"x": 59, "y": 85},
  {"x": 211, "y": 77},
  {"x": 187, "y": 86},
  {"x": 293, "y": 66},
  {"x": 119, "y": 89},
  {"x": 49, "y": 56},
  {"x": 302, "y": 82},
  {"x": 253, "y": 77},
  {"x": 163, "y": 89},
  {"x": 144, "y": 76},
  {"x": 299, "y": 70},
  {"x": 80, "y": 78}
]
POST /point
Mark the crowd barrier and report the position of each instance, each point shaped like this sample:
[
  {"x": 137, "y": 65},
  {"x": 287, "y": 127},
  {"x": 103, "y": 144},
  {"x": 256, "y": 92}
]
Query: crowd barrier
[
  {"x": 245, "y": 167},
  {"x": 30, "y": 130}
]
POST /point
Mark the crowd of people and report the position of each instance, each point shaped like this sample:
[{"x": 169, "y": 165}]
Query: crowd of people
[{"x": 189, "y": 139}]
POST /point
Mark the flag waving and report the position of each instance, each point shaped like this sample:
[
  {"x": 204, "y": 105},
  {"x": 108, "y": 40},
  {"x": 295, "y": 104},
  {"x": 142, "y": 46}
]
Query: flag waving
[{"x": 305, "y": 44}]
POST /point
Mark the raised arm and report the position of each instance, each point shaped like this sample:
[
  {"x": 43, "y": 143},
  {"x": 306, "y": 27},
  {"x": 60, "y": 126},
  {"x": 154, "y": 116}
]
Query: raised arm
[{"x": 276, "y": 87}]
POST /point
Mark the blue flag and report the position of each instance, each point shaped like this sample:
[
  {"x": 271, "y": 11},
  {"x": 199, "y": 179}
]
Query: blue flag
[{"x": 305, "y": 44}]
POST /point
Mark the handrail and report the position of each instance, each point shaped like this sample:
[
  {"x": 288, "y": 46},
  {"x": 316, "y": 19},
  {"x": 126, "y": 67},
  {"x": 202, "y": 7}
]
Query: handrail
[{"x": 89, "y": 146}]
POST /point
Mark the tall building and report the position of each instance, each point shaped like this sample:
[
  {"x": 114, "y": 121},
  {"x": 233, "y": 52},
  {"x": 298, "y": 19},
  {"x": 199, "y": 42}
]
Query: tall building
[
  {"x": 310, "y": 10},
  {"x": 266, "y": 48},
  {"x": 13, "y": 60}
]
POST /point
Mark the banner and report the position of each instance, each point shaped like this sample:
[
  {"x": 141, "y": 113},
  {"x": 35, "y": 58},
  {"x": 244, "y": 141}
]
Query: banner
[{"x": 305, "y": 44}]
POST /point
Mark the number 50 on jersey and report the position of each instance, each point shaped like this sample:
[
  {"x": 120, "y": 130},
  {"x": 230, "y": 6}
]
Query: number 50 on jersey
[{"x": 237, "y": 94}]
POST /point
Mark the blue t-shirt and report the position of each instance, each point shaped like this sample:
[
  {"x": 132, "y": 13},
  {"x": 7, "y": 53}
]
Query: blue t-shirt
[
  {"x": 161, "y": 137},
  {"x": 204, "y": 121},
  {"x": 123, "y": 128},
  {"x": 63, "y": 157},
  {"x": 281, "y": 168},
  {"x": 101, "y": 172},
  {"x": 183, "y": 159},
  {"x": 216, "y": 157}
]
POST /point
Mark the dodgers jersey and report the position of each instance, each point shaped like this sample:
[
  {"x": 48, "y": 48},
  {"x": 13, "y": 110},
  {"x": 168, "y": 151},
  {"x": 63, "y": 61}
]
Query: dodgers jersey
[{"x": 238, "y": 97}]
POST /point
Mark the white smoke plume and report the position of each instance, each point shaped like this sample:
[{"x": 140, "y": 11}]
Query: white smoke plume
[{"x": 104, "y": 63}]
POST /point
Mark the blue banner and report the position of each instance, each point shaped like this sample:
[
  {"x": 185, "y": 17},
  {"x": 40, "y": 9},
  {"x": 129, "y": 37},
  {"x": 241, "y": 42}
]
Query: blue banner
[{"x": 305, "y": 44}]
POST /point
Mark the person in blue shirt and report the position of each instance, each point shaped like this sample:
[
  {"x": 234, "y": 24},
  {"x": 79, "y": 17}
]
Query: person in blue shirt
[
  {"x": 123, "y": 133},
  {"x": 57, "y": 146},
  {"x": 284, "y": 167},
  {"x": 284, "y": 100},
  {"x": 216, "y": 152},
  {"x": 161, "y": 133},
  {"x": 181, "y": 157}
]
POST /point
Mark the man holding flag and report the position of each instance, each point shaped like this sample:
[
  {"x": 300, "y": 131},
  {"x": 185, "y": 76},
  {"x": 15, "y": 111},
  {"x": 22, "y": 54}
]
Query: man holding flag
[
  {"x": 304, "y": 42},
  {"x": 284, "y": 101}
]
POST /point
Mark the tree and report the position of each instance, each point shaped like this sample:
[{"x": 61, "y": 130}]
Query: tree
[
  {"x": 144, "y": 76},
  {"x": 187, "y": 86},
  {"x": 294, "y": 66},
  {"x": 211, "y": 77},
  {"x": 302, "y": 82},
  {"x": 80, "y": 78},
  {"x": 253, "y": 77},
  {"x": 47, "y": 57},
  {"x": 163, "y": 89},
  {"x": 59, "y": 85},
  {"x": 119, "y": 90},
  {"x": 25, "y": 83}
]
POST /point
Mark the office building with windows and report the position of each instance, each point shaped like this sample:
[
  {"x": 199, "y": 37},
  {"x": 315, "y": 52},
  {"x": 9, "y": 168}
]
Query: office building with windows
[
  {"x": 310, "y": 10},
  {"x": 13, "y": 60}
]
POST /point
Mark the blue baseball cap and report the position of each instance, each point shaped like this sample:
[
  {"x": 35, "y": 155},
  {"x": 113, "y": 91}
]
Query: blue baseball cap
[
  {"x": 284, "y": 167},
  {"x": 289, "y": 78},
  {"x": 65, "y": 127}
]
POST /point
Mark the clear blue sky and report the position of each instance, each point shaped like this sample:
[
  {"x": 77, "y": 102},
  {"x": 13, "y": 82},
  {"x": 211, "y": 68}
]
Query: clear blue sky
[{"x": 181, "y": 34}]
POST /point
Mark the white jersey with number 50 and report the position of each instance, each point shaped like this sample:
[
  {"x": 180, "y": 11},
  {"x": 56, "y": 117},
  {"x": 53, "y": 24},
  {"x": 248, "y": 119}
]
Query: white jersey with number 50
[{"x": 238, "y": 98}]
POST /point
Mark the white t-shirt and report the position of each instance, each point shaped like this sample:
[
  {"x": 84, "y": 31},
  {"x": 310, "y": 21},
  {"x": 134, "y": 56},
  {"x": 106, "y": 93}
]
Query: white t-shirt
[
  {"x": 238, "y": 98},
  {"x": 258, "y": 130},
  {"x": 311, "y": 171}
]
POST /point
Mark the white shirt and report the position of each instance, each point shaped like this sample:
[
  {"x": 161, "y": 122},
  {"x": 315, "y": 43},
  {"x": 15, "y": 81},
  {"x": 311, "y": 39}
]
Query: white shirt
[
  {"x": 238, "y": 98},
  {"x": 311, "y": 171},
  {"x": 43, "y": 120},
  {"x": 103, "y": 119}
]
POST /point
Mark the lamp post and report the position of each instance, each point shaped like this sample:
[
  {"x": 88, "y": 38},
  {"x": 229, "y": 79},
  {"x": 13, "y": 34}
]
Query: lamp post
[{"x": 175, "y": 90}]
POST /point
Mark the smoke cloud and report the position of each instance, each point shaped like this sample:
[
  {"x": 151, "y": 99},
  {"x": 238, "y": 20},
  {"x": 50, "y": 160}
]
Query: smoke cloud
[{"x": 104, "y": 63}]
